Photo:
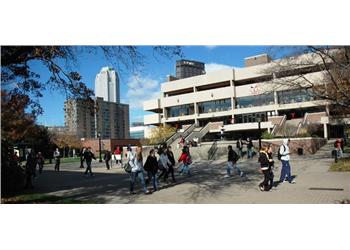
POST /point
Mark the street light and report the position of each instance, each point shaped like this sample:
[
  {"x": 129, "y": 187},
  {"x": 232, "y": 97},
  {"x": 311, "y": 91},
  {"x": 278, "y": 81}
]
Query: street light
[
  {"x": 99, "y": 145},
  {"x": 258, "y": 119}
]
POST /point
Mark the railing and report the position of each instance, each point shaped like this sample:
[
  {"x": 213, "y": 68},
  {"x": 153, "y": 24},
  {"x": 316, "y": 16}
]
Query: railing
[
  {"x": 212, "y": 150},
  {"x": 178, "y": 134},
  {"x": 199, "y": 134},
  {"x": 279, "y": 126}
]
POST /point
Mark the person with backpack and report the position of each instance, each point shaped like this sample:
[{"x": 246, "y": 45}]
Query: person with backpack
[
  {"x": 57, "y": 157},
  {"x": 185, "y": 158},
  {"x": 232, "y": 162},
  {"x": 136, "y": 162},
  {"x": 170, "y": 166},
  {"x": 283, "y": 156},
  {"x": 88, "y": 156},
  {"x": 40, "y": 159},
  {"x": 265, "y": 169},
  {"x": 107, "y": 157},
  {"x": 163, "y": 163},
  {"x": 239, "y": 146},
  {"x": 151, "y": 166}
]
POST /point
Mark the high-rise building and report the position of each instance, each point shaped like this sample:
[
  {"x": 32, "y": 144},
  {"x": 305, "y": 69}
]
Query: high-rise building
[
  {"x": 188, "y": 68},
  {"x": 110, "y": 119},
  {"x": 107, "y": 85}
]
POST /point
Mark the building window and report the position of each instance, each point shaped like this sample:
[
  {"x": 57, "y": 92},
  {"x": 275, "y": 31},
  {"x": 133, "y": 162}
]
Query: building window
[
  {"x": 181, "y": 110},
  {"x": 294, "y": 95},
  {"x": 214, "y": 106},
  {"x": 246, "y": 118},
  {"x": 253, "y": 101}
]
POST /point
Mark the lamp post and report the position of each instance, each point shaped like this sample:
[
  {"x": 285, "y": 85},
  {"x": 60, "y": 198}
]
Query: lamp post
[
  {"x": 258, "y": 119},
  {"x": 99, "y": 145}
]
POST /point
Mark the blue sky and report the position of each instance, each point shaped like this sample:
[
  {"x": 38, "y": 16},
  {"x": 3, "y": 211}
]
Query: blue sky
[{"x": 136, "y": 89}]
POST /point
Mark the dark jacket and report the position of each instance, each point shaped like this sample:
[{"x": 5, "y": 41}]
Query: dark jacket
[
  {"x": 250, "y": 144},
  {"x": 264, "y": 160},
  {"x": 151, "y": 164},
  {"x": 271, "y": 161},
  {"x": 171, "y": 157},
  {"x": 107, "y": 156},
  {"x": 232, "y": 156},
  {"x": 88, "y": 156}
]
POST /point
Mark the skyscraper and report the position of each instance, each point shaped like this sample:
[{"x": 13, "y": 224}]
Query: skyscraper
[
  {"x": 187, "y": 68},
  {"x": 107, "y": 85}
]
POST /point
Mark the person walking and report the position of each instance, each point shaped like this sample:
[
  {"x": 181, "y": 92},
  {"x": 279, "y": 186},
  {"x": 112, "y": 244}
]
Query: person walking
[
  {"x": 272, "y": 165},
  {"x": 40, "y": 160},
  {"x": 118, "y": 156},
  {"x": 82, "y": 157},
  {"x": 151, "y": 166},
  {"x": 264, "y": 169},
  {"x": 185, "y": 159},
  {"x": 163, "y": 163},
  {"x": 250, "y": 148},
  {"x": 57, "y": 157},
  {"x": 107, "y": 157},
  {"x": 170, "y": 166},
  {"x": 338, "y": 148},
  {"x": 29, "y": 169},
  {"x": 136, "y": 162},
  {"x": 232, "y": 163},
  {"x": 88, "y": 156},
  {"x": 286, "y": 169},
  {"x": 239, "y": 146}
]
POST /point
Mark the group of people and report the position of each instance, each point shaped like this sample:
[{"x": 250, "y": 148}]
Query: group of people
[
  {"x": 339, "y": 145},
  {"x": 155, "y": 168},
  {"x": 250, "y": 147},
  {"x": 32, "y": 161}
]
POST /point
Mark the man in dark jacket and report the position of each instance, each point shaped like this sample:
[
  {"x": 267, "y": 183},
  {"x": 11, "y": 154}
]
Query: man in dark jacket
[
  {"x": 170, "y": 167},
  {"x": 107, "y": 157},
  {"x": 88, "y": 156},
  {"x": 30, "y": 168},
  {"x": 232, "y": 162},
  {"x": 151, "y": 166}
]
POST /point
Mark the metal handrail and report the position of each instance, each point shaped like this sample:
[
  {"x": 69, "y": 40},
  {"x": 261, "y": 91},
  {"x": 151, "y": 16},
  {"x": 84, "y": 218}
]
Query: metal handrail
[
  {"x": 178, "y": 134},
  {"x": 212, "y": 150}
]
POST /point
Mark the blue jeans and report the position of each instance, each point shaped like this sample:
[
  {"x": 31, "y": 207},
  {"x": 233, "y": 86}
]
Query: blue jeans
[
  {"x": 185, "y": 169},
  {"x": 231, "y": 166},
  {"x": 285, "y": 171},
  {"x": 154, "y": 179},
  {"x": 133, "y": 176},
  {"x": 250, "y": 153}
]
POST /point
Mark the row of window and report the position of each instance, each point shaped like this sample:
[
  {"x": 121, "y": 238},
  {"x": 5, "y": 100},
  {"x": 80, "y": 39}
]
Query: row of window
[{"x": 283, "y": 97}]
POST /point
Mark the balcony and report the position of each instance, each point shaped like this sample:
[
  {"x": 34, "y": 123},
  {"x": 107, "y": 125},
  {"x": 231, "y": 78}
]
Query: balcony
[
  {"x": 153, "y": 119},
  {"x": 152, "y": 105}
]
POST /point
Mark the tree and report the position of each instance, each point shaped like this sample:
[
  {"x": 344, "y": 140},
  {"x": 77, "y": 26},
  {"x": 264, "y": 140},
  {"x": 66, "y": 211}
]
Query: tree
[
  {"x": 333, "y": 84},
  {"x": 161, "y": 133},
  {"x": 66, "y": 140}
]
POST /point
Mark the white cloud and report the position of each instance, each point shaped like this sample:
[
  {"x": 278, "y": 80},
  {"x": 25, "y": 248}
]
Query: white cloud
[
  {"x": 211, "y": 46},
  {"x": 141, "y": 89},
  {"x": 211, "y": 67}
]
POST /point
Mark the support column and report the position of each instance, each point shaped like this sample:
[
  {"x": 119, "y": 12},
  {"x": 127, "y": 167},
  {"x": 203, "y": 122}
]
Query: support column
[
  {"x": 195, "y": 108},
  {"x": 276, "y": 101},
  {"x": 233, "y": 98},
  {"x": 325, "y": 131}
]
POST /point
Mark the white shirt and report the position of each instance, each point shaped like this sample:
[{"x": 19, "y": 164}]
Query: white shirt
[
  {"x": 165, "y": 160},
  {"x": 284, "y": 151}
]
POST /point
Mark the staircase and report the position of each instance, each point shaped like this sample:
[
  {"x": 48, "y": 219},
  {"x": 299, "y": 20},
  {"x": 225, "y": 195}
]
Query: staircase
[
  {"x": 170, "y": 141},
  {"x": 199, "y": 132}
]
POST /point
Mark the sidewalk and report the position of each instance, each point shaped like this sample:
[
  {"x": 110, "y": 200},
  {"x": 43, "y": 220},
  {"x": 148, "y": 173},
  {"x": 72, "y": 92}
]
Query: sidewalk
[{"x": 207, "y": 185}]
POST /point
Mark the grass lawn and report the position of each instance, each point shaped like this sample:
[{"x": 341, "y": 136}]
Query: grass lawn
[
  {"x": 41, "y": 199},
  {"x": 343, "y": 165}
]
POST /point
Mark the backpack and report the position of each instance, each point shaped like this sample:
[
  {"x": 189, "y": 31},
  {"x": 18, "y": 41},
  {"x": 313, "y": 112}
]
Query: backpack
[
  {"x": 279, "y": 155},
  {"x": 188, "y": 160},
  {"x": 127, "y": 167}
]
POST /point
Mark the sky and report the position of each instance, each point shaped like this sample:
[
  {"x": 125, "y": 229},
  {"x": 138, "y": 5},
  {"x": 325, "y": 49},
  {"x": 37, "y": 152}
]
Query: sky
[{"x": 134, "y": 89}]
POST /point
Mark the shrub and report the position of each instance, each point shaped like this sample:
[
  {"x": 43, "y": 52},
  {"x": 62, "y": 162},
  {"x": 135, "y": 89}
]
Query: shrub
[{"x": 267, "y": 135}]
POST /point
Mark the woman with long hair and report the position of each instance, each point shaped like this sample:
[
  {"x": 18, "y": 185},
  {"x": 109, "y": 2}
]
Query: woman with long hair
[
  {"x": 151, "y": 166},
  {"x": 136, "y": 162}
]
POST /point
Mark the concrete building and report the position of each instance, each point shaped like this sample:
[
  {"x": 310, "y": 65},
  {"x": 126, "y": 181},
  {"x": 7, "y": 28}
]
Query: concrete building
[
  {"x": 188, "y": 68},
  {"x": 111, "y": 119},
  {"x": 57, "y": 129},
  {"x": 107, "y": 85},
  {"x": 238, "y": 101}
]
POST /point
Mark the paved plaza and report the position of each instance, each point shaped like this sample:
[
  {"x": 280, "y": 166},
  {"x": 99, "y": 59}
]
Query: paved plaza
[{"x": 314, "y": 184}]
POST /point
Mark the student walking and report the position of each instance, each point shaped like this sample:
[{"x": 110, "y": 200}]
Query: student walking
[
  {"x": 250, "y": 148},
  {"x": 107, "y": 157},
  {"x": 272, "y": 166},
  {"x": 82, "y": 157},
  {"x": 40, "y": 161},
  {"x": 284, "y": 156},
  {"x": 151, "y": 166},
  {"x": 136, "y": 162},
  {"x": 88, "y": 156},
  {"x": 186, "y": 161},
  {"x": 239, "y": 146},
  {"x": 57, "y": 157},
  {"x": 163, "y": 162},
  {"x": 232, "y": 162},
  {"x": 29, "y": 169},
  {"x": 264, "y": 169},
  {"x": 118, "y": 156},
  {"x": 170, "y": 166}
]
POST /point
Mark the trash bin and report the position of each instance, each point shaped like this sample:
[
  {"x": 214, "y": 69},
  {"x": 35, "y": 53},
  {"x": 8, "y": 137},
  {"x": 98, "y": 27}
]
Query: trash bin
[{"x": 300, "y": 151}]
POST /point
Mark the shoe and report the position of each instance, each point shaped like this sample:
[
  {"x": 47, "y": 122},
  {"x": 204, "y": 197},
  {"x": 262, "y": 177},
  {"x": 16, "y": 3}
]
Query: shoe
[
  {"x": 132, "y": 192},
  {"x": 242, "y": 174},
  {"x": 292, "y": 182},
  {"x": 261, "y": 189},
  {"x": 226, "y": 176},
  {"x": 148, "y": 192}
]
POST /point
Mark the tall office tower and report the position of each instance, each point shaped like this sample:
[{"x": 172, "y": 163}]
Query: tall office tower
[
  {"x": 107, "y": 85},
  {"x": 187, "y": 68}
]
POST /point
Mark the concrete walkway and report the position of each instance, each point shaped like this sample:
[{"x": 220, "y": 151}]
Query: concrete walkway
[{"x": 207, "y": 185}]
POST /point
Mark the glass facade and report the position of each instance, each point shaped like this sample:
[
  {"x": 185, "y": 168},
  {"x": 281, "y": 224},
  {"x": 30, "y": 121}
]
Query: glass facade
[
  {"x": 253, "y": 101},
  {"x": 252, "y": 117},
  {"x": 293, "y": 96},
  {"x": 181, "y": 110},
  {"x": 214, "y": 106}
]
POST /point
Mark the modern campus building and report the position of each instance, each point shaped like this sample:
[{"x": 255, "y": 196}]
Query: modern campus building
[
  {"x": 107, "y": 85},
  {"x": 242, "y": 102},
  {"x": 139, "y": 131}
]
